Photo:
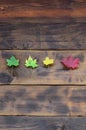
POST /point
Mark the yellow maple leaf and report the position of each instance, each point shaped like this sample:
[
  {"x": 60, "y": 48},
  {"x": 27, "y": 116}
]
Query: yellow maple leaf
[{"x": 47, "y": 61}]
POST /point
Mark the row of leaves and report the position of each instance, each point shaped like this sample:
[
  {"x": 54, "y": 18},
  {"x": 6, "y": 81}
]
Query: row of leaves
[{"x": 68, "y": 62}]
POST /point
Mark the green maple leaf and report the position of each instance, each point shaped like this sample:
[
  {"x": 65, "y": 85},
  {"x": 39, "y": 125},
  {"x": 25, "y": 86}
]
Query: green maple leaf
[
  {"x": 12, "y": 61},
  {"x": 30, "y": 62}
]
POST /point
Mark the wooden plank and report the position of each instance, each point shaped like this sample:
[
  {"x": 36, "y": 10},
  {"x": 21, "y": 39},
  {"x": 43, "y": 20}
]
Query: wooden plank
[
  {"x": 26, "y": 34},
  {"x": 37, "y": 8},
  {"x": 55, "y": 74},
  {"x": 46, "y": 3},
  {"x": 32, "y": 123},
  {"x": 43, "y": 100}
]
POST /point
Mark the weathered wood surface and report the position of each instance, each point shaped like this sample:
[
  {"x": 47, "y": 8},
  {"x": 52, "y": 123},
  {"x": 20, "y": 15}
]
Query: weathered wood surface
[
  {"x": 28, "y": 123},
  {"x": 59, "y": 25},
  {"x": 46, "y": 3},
  {"x": 43, "y": 100},
  {"x": 45, "y": 8},
  {"x": 23, "y": 34},
  {"x": 55, "y": 74}
]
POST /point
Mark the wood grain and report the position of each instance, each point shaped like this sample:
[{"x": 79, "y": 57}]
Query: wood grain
[
  {"x": 46, "y": 3},
  {"x": 43, "y": 100},
  {"x": 45, "y": 8},
  {"x": 42, "y": 25},
  {"x": 30, "y": 34},
  {"x": 55, "y": 74},
  {"x": 32, "y": 123}
]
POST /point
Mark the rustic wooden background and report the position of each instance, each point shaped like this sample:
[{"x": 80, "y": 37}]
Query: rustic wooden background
[{"x": 44, "y": 98}]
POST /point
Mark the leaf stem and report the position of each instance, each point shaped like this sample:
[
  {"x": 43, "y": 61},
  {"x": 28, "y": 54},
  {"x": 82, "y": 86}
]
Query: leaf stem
[{"x": 12, "y": 70}]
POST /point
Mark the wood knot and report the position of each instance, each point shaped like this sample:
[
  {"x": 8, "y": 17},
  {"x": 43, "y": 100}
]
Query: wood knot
[{"x": 2, "y": 8}]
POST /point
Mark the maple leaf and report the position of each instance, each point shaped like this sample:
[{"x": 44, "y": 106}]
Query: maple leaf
[
  {"x": 12, "y": 61},
  {"x": 70, "y": 62},
  {"x": 30, "y": 62},
  {"x": 47, "y": 61}
]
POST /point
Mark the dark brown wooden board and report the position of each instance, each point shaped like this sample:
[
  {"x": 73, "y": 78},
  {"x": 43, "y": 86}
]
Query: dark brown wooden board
[
  {"x": 46, "y": 3},
  {"x": 45, "y": 8},
  {"x": 55, "y": 74},
  {"x": 43, "y": 100},
  {"x": 33, "y": 123},
  {"x": 31, "y": 34}
]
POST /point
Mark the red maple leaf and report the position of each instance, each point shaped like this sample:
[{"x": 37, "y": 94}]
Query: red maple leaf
[{"x": 70, "y": 62}]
